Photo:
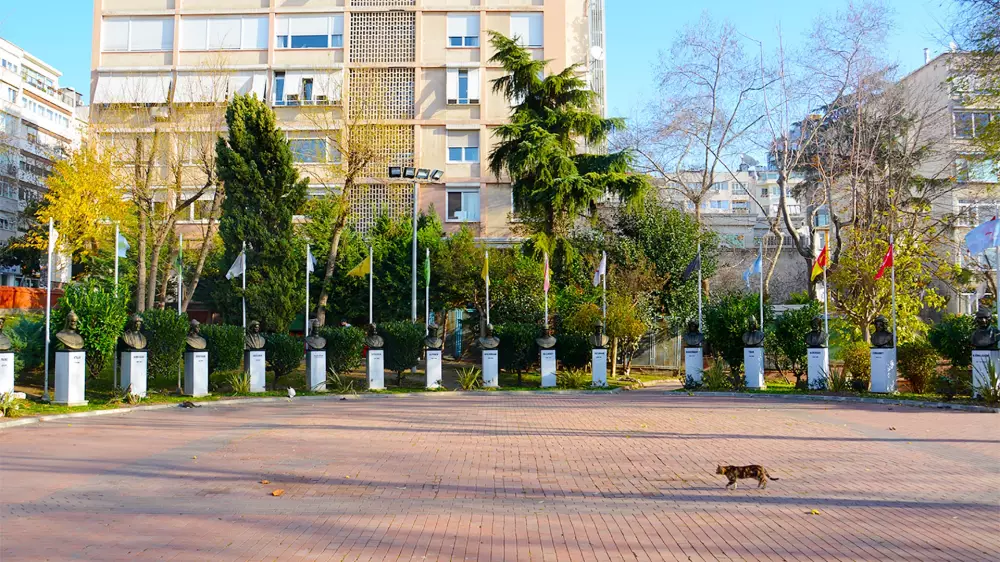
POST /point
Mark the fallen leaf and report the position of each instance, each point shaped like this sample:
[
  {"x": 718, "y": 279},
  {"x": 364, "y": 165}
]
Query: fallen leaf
[
  {"x": 814, "y": 512},
  {"x": 265, "y": 481},
  {"x": 194, "y": 457},
  {"x": 277, "y": 493},
  {"x": 348, "y": 477}
]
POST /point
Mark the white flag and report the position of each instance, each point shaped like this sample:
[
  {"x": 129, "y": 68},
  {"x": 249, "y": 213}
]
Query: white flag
[
  {"x": 982, "y": 237},
  {"x": 237, "y": 269},
  {"x": 53, "y": 237},
  {"x": 310, "y": 261},
  {"x": 602, "y": 269},
  {"x": 123, "y": 246}
]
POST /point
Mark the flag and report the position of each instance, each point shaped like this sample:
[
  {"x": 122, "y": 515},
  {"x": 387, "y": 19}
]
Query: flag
[
  {"x": 821, "y": 263},
  {"x": 887, "y": 262},
  {"x": 238, "y": 266},
  {"x": 755, "y": 268},
  {"x": 123, "y": 245},
  {"x": 310, "y": 260},
  {"x": 53, "y": 237},
  {"x": 427, "y": 270},
  {"x": 821, "y": 292},
  {"x": 692, "y": 267},
  {"x": 602, "y": 269},
  {"x": 982, "y": 237},
  {"x": 486, "y": 270},
  {"x": 363, "y": 268},
  {"x": 545, "y": 283}
]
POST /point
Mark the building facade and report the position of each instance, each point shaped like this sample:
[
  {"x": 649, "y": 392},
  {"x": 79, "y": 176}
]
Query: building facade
[{"x": 421, "y": 66}]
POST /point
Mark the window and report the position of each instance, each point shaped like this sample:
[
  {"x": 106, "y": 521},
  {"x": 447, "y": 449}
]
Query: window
[
  {"x": 720, "y": 186},
  {"x": 764, "y": 192},
  {"x": 719, "y": 205},
  {"x": 12, "y": 95},
  {"x": 309, "y": 151},
  {"x": 202, "y": 209},
  {"x": 463, "y": 147},
  {"x": 739, "y": 189},
  {"x": 5, "y": 224},
  {"x": 307, "y": 90},
  {"x": 463, "y": 86},
  {"x": 224, "y": 33},
  {"x": 971, "y": 169},
  {"x": 138, "y": 34},
  {"x": 463, "y": 205},
  {"x": 279, "y": 88},
  {"x": 297, "y": 88},
  {"x": 527, "y": 29},
  {"x": 822, "y": 218},
  {"x": 309, "y": 32},
  {"x": 463, "y": 30},
  {"x": 740, "y": 207}
]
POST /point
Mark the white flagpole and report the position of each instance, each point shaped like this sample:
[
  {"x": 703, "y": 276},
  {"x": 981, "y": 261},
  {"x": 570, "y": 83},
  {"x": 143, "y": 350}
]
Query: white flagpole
[
  {"x": 427, "y": 299},
  {"x": 700, "y": 319},
  {"x": 243, "y": 274},
  {"x": 546, "y": 274},
  {"x": 180, "y": 272},
  {"x": 487, "y": 286},
  {"x": 826, "y": 301},
  {"x": 48, "y": 313},
  {"x": 308, "y": 263},
  {"x": 114, "y": 366},
  {"x": 604, "y": 288},
  {"x": 761, "y": 272},
  {"x": 892, "y": 248},
  {"x": 116, "y": 254},
  {"x": 371, "y": 282}
]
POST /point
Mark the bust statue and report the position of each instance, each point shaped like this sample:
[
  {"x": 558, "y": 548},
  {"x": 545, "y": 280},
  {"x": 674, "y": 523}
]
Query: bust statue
[
  {"x": 4, "y": 340},
  {"x": 69, "y": 339},
  {"x": 693, "y": 337},
  {"x": 194, "y": 340},
  {"x": 547, "y": 341},
  {"x": 753, "y": 337},
  {"x": 132, "y": 339},
  {"x": 984, "y": 337},
  {"x": 253, "y": 340},
  {"x": 433, "y": 341},
  {"x": 598, "y": 340},
  {"x": 315, "y": 341},
  {"x": 882, "y": 338},
  {"x": 373, "y": 340},
  {"x": 817, "y": 337},
  {"x": 489, "y": 341}
]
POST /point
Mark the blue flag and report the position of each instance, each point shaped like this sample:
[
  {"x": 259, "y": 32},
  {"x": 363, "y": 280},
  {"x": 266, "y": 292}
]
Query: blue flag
[
  {"x": 122, "y": 246},
  {"x": 754, "y": 269}
]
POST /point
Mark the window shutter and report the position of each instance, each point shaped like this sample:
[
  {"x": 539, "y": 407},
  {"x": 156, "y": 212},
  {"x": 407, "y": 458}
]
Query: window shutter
[
  {"x": 452, "y": 88},
  {"x": 470, "y": 204},
  {"x": 114, "y": 36},
  {"x": 194, "y": 34},
  {"x": 473, "y": 85},
  {"x": 309, "y": 25},
  {"x": 520, "y": 28},
  {"x": 338, "y": 25},
  {"x": 152, "y": 34},
  {"x": 463, "y": 25},
  {"x": 255, "y": 33},
  {"x": 293, "y": 83},
  {"x": 224, "y": 33},
  {"x": 281, "y": 25}
]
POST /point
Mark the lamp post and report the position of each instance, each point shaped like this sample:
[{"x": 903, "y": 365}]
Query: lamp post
[{"x": 416, "y": 176}]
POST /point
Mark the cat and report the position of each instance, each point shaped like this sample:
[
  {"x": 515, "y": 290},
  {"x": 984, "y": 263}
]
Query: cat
[{"x": 752, "y": 471}]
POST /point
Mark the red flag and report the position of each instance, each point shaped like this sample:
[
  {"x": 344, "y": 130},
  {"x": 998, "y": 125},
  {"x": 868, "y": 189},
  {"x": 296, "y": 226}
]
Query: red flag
[
  {"x": 822, "y": 261},
  {"x": 887, "y": 262}
]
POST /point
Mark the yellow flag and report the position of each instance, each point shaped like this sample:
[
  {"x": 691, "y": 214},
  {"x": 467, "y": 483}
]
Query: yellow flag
[
  {"x": 362, "y": 268},
  {"x": 486, "y": 270}
]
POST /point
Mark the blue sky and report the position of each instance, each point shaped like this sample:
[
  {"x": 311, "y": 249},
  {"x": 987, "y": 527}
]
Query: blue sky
[{"x": 59, "y": 32}]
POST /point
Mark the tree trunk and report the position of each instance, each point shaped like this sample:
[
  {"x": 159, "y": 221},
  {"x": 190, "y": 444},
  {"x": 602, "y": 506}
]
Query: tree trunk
[
  {"x": 206, "y": 248},
  {"x": 165, "y": 284},
  {"x": 140, "y": 288},
  {"x": 154, "y": 266},
  {"x": 331, "y": 262}
]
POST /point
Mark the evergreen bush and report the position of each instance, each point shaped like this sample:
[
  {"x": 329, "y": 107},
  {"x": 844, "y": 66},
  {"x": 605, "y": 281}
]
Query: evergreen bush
[
  {"x": 344, "y": 348},
  {"x": 225, "y": 346},
  {"x": 166, "y": 332},
  {"x": 285, "y": 353},
  {"x": 573, "y": 350},
  {"x": 917, "y": 363},
  {"x": 103, "y": 312},
  {"x": 404, "y": 344},
  {"x": 952, "y": 339},
  {"x": 858, "y": 362},
  {"x": 27, "y": 340},
  {"x": 518, "y": 351}
]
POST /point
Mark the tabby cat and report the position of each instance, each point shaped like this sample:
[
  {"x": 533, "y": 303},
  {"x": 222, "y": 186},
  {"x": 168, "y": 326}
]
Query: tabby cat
[{"x": 752, "y": 471}]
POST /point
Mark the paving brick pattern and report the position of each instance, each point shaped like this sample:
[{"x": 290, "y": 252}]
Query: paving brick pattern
[{"x": 504, "y": 477}]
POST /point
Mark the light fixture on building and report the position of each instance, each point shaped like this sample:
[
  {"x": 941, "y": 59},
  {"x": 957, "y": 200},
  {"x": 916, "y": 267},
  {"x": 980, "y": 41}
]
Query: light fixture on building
[
  {"x": 436, "y": 175},
  {"x": 409, "y": 173},
  {"x": 395, "y": 172},
  {"x": 423, "y": 173}
]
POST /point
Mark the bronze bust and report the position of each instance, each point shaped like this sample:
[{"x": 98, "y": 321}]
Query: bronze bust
[
  {"x": 373, "y": 340},
  {"x": 547, "y": 341},
  {"x": 817, "y": 337},
  {"x": 753, "y": 337},
  {"x": 4, "y": 340},
  {"x": 253, "y": 340},
  {"x": 315, "y": 341},
  {"x": 489, "y": 341},
  {"x": 598, "y": 340},
  {"x": 882, "y": 337},
  {"x": 133, "y": 339},
  {"x": 433, "y": 341},
  {"x": 693, "y": 337},
  {"x": 69, "y": 339},
  {"x": 984, "y": 337},
  {"x": 194, "y": 340}
]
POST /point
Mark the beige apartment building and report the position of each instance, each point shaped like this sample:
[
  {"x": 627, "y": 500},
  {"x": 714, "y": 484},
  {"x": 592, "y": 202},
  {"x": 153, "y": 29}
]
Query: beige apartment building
[{"x": 421, "y": 66}]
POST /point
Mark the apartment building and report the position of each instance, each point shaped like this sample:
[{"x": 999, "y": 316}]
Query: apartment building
[
  {"x": 39, "y": 122},
  {"x": 421, "y": 66}
]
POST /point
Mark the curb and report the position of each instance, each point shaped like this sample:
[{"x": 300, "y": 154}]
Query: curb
[
  {"x": 854, "y": 399},
  {"x": 16, "y": 422}
]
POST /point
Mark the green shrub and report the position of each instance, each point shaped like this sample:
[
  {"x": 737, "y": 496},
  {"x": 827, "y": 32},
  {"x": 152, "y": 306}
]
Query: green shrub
[
  {"x": 344, "y": 348},
  {"x": 469, "y": 378},
  {"x": 917, "y": 362},
  {"x": 103, "y": 312},
  {"x": 716, "y": 379},
  {"x": 166, "y": 332},
  {"x": 952, "y": 338},
  {"x": 857, "y": 360},
  {"x": 404, "y": 344},
  {"x": 839, "y": 381},
  {"x": 989, "y": 392},
  {"x": 239, "y": 382},
  {"x": 225, "y": 346},
  {"x": 574, "y": 379},
  {"x": 285, "y": 353},
  {"x": 953, "y": 383},
  {"x": 27, "y": 339},
  {"x": 339, "y": 384},
  {"x": 518, "y": 351},
  {"x": 574, "y": 350},
  {"x": 726, "y": 320},
  {"x": 788, "y": 340}
]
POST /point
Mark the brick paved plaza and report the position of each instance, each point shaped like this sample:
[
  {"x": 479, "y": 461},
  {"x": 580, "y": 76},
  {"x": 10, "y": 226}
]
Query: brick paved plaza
[{"x": 504, "y": 477}]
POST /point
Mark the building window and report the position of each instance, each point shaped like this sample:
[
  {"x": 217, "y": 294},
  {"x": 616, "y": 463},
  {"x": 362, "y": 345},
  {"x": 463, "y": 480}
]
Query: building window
[
  {"x": 297, "y": 88},
  {"x": 310, "y": 151},
  {"x": 739, "y": 189},
  {"x": 970, "y": 169},
  {"x": 5, "y": 224},
  {"x": 971, "y": 124},
  {"x": 528, "y": 29},
  {"x": 719, "y": 187},
  {"x": 279, "y": 88},
  {"x": 463, "y": 86},
  {"x": 463, "y": 147},
  {"x": 309, "y": 32},
  {"x": 224, "y": 33},
  {"x": 138, "y": 34},
  {"x": 463, "y": 30},
  {"x": 740, "y": 207},
  {"x": 463, "y": 205},
  {"x": 719, "y": 205},
  {"x": 764, "y": 192}
]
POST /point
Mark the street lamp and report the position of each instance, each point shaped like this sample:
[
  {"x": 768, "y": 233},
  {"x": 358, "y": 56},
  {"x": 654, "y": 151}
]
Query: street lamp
[{"x": 421, "y": 175}]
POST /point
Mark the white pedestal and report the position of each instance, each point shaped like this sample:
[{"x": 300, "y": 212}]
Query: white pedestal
[
  {"x": 433, "y": 368},
  {"x": 71, "y": 378},
  {"x": 6, "y": 372},
  {"x": 255, "y": 363},
  {"x": 316, "y": 370},
  {"x": 134, "y": 367},
  {"x": 548, "y": 368},
  {"x": 599, "y": 367},
  {"x": 376, "y": 369},
  {"x": 694, "y": 363},
  {"x": 819, "y": 367},
  {"x": 883, "y": 370},
  {"x": 491, "y": 368},
  {"x": 753, "y": 366},
  {"x": 196, "y": 373},
  {"x": 981, "y": 358}
]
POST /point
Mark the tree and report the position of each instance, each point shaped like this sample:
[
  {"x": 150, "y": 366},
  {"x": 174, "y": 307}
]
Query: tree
[
  {"x": 537, "y": 148},
  {"x": 977, "y": 71},
  {"x": 727, "y": 318},
  {"x": 263, "y": 194},
  {"x": 788, "y": 340},
  {"x": 103, "y": 311}
]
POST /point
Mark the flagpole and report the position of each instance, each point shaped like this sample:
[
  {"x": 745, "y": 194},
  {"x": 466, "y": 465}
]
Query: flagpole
[
  {"x": 427, "y": 295},
  {"x": 487, "y": 286},
  {"x": 604, "y": 288},
  {"x": 892, "y": 249},
  {"x": 546, "y": 273},
  {"x": 114, "y": 366},
  {"x": 306, "y": 321},
  {"x": 48, "y": 312},
  {"x": 700, "y": 319},
  {"x": 761, "y": 272},
  {"x": 243, "y": 274},
  {"x": 116, "y": 255},
  {"x": 826, "y": 308},
  {"x": 371, "y": 282},
  {"x": 180, "y": 272}
]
